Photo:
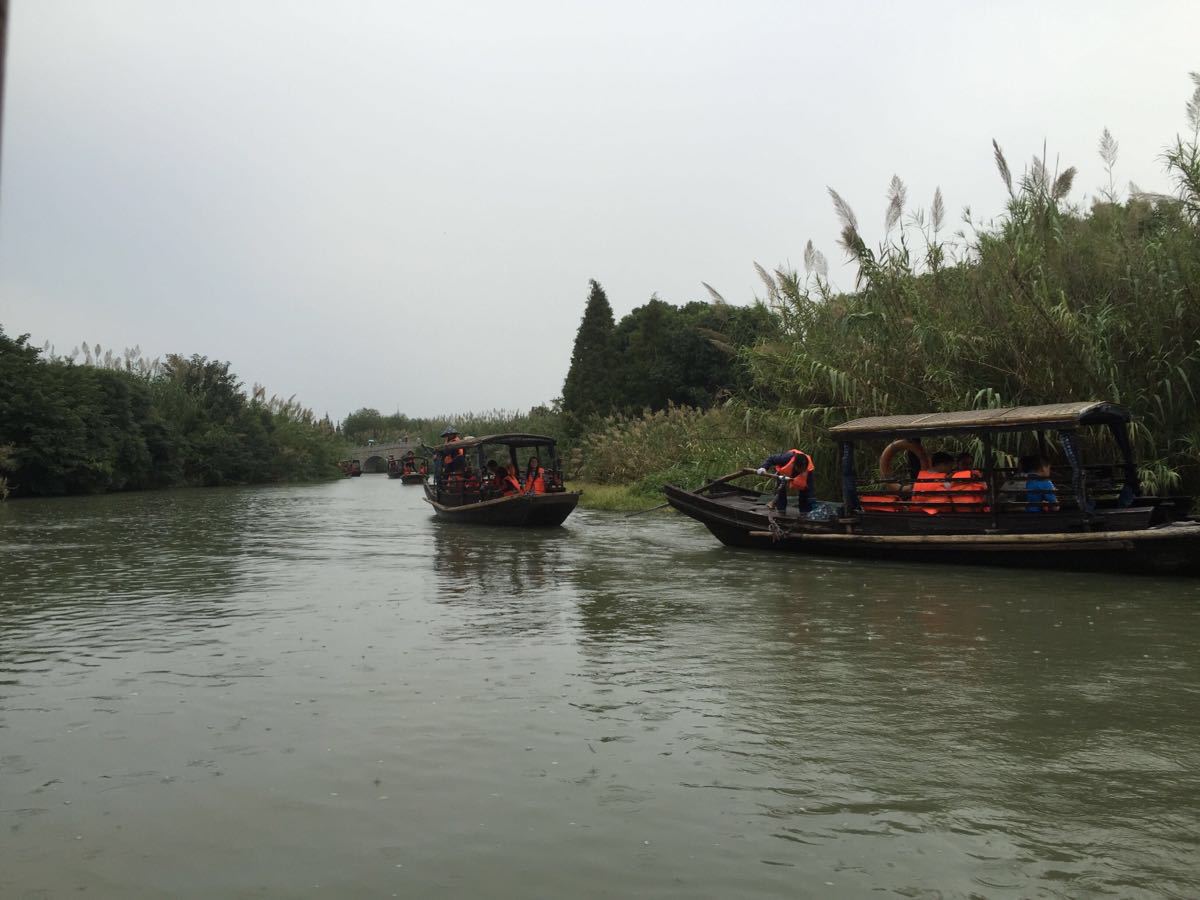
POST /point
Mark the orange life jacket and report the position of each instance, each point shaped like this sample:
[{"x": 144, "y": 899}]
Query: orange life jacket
[
  {"x": 968, "y": 491},
  {"x": 934, "y": 484},
  {"x": 799, "y": 480},
  {"x": 879, "y": 502},
  {"x": 536, "y": 481}
]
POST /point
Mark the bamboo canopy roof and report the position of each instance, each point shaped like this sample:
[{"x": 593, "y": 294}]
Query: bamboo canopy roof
[
  {"x": 1013, "y": 418},
  {"x": 511, "y": 440}
]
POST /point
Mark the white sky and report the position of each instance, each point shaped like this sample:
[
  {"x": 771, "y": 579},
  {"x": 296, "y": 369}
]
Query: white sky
[{"x": 399, "y": 205}]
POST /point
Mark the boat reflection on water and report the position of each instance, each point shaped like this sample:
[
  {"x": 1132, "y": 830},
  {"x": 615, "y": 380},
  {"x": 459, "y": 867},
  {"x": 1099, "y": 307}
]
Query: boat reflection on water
[{"x": 503, "y": 580}]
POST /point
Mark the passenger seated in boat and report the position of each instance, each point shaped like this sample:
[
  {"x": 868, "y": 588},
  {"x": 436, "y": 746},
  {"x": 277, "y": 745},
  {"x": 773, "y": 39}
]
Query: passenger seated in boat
[
  {"x": 410, "y": 463},
  {"x": 1013, "y": 490},
  {"x": 932, "y": 487},
  {"x": 535, "y": 477},
  {"x": 796, "y": 468},
  {"x": 493, "y": 477},
  {"x": 510, "y": 484},
  {"x": 1039, "y": 489},
  {"x": 470, "y": 479},
  {"x": 968, "y": 490}
]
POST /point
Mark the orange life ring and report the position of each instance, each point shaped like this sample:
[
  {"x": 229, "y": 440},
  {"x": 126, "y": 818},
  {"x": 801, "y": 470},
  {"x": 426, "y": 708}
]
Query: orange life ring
[{"x": 889, "y": 452}]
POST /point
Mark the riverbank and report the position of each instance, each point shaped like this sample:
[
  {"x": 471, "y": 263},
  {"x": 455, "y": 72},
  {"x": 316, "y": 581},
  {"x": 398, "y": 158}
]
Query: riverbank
[{"x": 613, "y": 497}]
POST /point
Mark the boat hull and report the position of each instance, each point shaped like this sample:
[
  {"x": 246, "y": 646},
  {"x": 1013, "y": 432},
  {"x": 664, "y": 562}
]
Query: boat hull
[
  {"x": 520, "y": 510},
  {"x": 412, "y": 478},
  {"x": 737, "y": 520}
]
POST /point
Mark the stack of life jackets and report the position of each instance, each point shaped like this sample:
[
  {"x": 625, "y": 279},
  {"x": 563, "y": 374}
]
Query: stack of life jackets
[
  {"x": 936, "y": 487},
  {"x": 962, "y": 491},
  {"x": 968, "y": 491}
]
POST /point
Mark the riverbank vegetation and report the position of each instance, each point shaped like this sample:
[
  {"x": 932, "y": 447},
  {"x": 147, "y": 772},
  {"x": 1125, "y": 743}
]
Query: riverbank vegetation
[
  {"x": 369, "y": 424},
  {"x": 1055, "y": 299},
  {"x": 613, "y": 497},
  {"x": 102, "y": 422},
  {"x": 1049, "y": 302}
]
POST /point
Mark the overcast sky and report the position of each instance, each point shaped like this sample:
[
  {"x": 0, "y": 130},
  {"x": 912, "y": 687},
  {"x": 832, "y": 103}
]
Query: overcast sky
[{"x": 399, "y": 205}]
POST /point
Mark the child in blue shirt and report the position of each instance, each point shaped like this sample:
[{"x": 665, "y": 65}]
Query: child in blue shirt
[{"x": 1039, "y": 489}]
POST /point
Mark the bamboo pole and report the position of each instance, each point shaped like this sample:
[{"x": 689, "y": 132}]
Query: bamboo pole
[{"x": 981, "y": 541}]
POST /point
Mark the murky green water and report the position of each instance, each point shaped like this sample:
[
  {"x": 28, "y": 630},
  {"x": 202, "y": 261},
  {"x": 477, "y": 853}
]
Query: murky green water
[{"x": 319, "y": 691}]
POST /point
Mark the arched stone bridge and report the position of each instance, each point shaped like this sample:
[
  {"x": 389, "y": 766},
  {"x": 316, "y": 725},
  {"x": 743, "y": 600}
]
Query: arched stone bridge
[{"x": 373, "y": 457}]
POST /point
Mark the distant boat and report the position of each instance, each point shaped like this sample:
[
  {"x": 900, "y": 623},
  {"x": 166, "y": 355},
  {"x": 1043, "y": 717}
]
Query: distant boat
[
  {"x": 1099, "y": 518},
  {"x": 350, "y": 467},
  {"x": 457, "y": 492},
  {"x": 410, "y": 469}
]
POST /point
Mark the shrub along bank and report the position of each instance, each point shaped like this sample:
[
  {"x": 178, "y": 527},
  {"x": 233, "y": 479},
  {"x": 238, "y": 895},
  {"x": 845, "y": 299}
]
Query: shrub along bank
[
  {"x": 1050, "y": 302},
  {"x": 125, "y": 423}
]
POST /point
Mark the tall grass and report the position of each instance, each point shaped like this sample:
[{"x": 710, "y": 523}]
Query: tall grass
[
  {"x": 680, "y": 445},
  {"x": 1048, "y": 303}
]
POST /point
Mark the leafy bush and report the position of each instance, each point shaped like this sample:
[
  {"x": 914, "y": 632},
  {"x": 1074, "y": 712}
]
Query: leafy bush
[
  {"x": 121, "y": 423},
  {"x": 1050, "y": 303}
]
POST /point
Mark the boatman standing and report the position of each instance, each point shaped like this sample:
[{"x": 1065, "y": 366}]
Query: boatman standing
[
  {"x": 453, "y": 461},
  {"x": 796, "y": 469}
]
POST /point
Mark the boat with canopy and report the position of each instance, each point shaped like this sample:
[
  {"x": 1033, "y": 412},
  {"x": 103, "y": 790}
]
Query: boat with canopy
[
  {"x": 410, "y": 468},
  {"x": 462, "y": 490},
  {"x": 1100, "y": 518}
]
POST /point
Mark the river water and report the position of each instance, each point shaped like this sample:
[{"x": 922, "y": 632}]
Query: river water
[{"x": 320, "y": 691}]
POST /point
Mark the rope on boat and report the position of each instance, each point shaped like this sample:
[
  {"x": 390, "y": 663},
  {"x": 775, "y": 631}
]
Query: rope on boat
[{"x": 774, "y": 527}]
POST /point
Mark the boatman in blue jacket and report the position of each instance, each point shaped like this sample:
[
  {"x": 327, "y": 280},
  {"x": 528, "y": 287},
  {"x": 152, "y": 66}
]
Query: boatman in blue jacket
[{"x": 796, "y": 472}]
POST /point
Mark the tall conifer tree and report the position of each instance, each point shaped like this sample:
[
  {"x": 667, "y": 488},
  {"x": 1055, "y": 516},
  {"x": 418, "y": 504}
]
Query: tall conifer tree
[{"x": 589, "y": 386}]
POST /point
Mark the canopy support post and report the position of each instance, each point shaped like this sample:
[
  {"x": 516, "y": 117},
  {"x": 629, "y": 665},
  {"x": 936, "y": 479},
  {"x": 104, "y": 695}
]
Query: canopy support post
[
  {"x": 1071, "y": 451},
  {"x": 850, "y": 502},
  {"x": 989, "y": 477},
  {"x": 1131, "y": 488}
]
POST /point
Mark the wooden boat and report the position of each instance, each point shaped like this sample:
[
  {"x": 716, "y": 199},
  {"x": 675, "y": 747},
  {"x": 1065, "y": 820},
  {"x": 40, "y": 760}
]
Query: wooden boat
[
  {"x": 350, "y": 467},
  {"x": 457, "y": 494},
  {"x": 412, "y": 469},
  {"x": 1101, "y": 519}
]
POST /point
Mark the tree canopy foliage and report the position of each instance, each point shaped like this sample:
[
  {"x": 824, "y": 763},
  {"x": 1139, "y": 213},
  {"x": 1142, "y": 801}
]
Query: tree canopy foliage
[
  {"x": 659, "y": 354},
  {"x": 69, "y": 428},
  {"x": 590, "y": 382},
  {"x": 1050, "y": 302}
]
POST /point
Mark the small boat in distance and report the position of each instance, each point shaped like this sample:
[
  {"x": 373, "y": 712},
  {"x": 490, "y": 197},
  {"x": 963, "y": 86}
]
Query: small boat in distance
[
  {"x": 350, "y": 468},
  {"x": 410, "y": 468},
  {"x": 1092, "y": 517},
  {"x": 528, "y": 492}
]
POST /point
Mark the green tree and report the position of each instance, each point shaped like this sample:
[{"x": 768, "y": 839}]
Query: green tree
[
  {"x": 366, "y": 423},
  {"x": 112, "y": 425},
  {"x": 588, "y": 390}
]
